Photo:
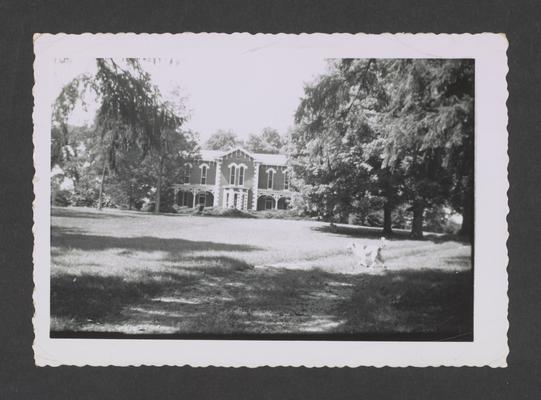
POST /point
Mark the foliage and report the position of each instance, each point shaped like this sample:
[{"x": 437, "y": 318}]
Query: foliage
[
  {"x": 398, "y": 130},
  {"x": 135, "y": 138},
  {"x": 430, "y": 129},
  {"x": 269, "y": 141},
  {"x": 222, "y": 140},
  {"x": 331, "y": 144}
]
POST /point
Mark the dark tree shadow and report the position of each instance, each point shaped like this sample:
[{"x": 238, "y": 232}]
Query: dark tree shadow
[
  {"x": 76, "y": 213},
  {"x": 231, "y": 299},
  {"x": 66, "y": 238},
  {"x": 356, "y": 231},
  {"x": 430, "y": 304}
]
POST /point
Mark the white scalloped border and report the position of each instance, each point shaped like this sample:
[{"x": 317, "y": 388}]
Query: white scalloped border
[{"x": 490, "y": 350}]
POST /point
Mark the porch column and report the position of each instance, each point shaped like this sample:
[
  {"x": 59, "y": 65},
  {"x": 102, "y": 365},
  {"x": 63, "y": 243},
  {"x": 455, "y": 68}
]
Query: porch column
[
  {"x": 175, "y": 190},
  {"x": 255, "y": 186},
  {"x": 217, "y": 183},
  {"x": 276, "y": 198},
  {"x": 194, "y": 193},
  {"x": 224, "y": 199}
]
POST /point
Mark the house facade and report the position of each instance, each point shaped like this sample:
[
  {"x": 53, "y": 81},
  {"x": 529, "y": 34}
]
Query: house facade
[{"x": 235, "y": 179}]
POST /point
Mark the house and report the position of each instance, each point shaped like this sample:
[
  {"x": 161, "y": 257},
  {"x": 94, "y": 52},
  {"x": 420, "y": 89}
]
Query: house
[{"x": 235, "y": 179}]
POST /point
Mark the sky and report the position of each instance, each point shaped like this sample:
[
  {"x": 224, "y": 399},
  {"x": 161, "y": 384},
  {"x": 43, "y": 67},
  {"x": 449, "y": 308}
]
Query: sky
[{"x": 243, "y": 94}]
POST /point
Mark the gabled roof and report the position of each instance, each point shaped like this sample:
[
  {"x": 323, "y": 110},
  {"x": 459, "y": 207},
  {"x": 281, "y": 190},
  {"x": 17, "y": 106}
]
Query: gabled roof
[
  {"x": 249, "y": 154},
  {"x": 267, "y": 159}
]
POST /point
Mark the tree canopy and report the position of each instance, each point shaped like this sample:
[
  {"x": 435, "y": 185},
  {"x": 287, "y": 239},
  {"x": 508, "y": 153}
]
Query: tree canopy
[
  {"x": 133, "y": 121},
  {"x": 268, "y": 141},
  {"x": 399, "y": 129},
  {"x": 222, "y": 140}
]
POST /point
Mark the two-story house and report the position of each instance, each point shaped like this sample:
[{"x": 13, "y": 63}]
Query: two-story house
[{"x": 235, "y": 179}]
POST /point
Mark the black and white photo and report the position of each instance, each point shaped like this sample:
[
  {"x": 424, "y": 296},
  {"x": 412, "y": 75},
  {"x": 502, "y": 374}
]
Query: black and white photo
[{"x": 271, "y": 193}]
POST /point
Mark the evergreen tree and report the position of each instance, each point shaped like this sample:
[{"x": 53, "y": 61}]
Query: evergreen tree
[{"x": 430, "y": 133}]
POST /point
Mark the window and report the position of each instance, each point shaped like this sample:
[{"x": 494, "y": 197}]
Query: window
[
  {"x": 270, "y": 178},
  {"x": 202, "y": 198},
  {"x": 184, "y": 199},
  {"x": 241, "y": 176},
  {"x": 232, "y": 175},
  {"x": 204, "y": 175},
  {"x": 187, "y": 172},
  {"x": 286, "y": 180},
  {"x": 268, "y": 203}
]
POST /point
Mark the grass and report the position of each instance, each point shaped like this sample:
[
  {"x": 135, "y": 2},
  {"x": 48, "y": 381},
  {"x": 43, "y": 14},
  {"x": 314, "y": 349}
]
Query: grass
[{"x": 136, "y": 273}]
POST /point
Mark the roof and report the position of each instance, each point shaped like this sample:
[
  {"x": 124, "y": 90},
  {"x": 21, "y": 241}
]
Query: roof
[
  {"x": 211, "y": 155},
  {"x": 267, "y": 159},
  {"x": 271, "y": 159}
]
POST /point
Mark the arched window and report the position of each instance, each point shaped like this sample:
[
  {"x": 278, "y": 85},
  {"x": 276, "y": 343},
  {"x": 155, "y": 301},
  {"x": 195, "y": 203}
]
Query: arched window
[
  {"x": 241, "y": 176},
  {"x": 286, "y": 180},
  {"x": 270, "y": 178},
  {"x": 232, "y": 175},
  {"x": 203, "y": 175}
]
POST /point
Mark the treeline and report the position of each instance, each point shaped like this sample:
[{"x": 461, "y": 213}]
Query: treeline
[
  {"x": 268, "y": 141},
  {"x": 388, "y": 134}
]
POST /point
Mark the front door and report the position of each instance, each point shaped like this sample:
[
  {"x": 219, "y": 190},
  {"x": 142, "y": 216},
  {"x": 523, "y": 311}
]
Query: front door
[{"x": 235, "y": 199}]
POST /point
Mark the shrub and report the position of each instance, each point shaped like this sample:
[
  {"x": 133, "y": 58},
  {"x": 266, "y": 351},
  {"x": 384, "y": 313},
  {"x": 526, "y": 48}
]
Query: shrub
[
  {"x": 442, "y": 219},
  {"x": 149, "y": 206},
  {"x": 375, "y": 218},
  {"x": 227, "y": 212},
  {"x": 281, "y": 214},
  {"x": 61, "y": 198}
]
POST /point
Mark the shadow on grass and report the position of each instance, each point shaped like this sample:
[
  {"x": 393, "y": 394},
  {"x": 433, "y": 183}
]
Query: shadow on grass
[
  {"x": 91, "y": 214},
  {"x": 376, "y": 233},
  {"x": 67, "y": 238},
  {"x": 437, "y": 304},
  {"x": 230, "y": 299}
]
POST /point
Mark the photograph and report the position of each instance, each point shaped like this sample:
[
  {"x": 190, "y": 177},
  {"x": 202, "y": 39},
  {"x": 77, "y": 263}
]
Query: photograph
[
  {"x": 274, "y": 194},
  {"x": 262, "y": 195}
]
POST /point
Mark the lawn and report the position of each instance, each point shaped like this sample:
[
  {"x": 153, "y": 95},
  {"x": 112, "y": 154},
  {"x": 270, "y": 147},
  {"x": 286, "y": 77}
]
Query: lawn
[{"x": 122, "y": 272}]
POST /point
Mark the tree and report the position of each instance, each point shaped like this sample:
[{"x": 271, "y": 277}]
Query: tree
[
  {"x": 176, "y": 147},
  {"x": 222, "y": 140},
  {"x": 269, "y": 141},
  {"x": 131, "y": 113},
  {"x": 334, "y": 138},
  {"x": 430, "y": 132},
  {"x": 409, "y": 122}
]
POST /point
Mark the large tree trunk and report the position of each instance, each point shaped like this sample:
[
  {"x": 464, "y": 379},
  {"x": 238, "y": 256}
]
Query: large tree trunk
[
  {"x": 344, "y": 216},
  {"x": 387, "y": 218},
  {"x": 467, "y": 227},
  {"x": 100, "y": 196},
  {"x": 130, "y": 196},
  {"x": 417, "y": 224},
  {"x": 159, "y": 187}
]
